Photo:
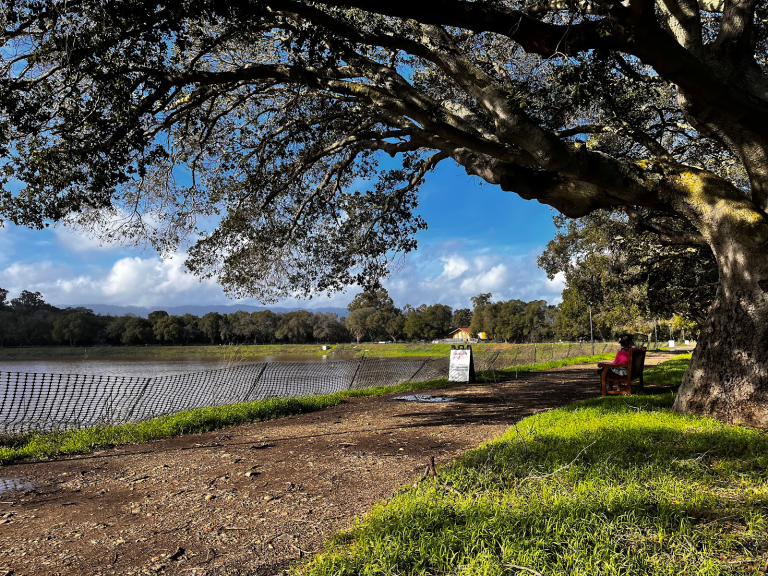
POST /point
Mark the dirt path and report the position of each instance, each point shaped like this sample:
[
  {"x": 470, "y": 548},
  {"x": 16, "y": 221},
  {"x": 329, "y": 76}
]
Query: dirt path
[{"x": 251, "y": 499}]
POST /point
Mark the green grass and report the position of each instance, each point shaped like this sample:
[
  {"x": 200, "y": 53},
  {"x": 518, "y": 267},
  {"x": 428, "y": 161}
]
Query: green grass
[
  {"x": 508, "y": 353},
  {"x": 608, "y": 486},
  {"x": 545, "y": 365},
  {"x": 235, "y": 352},
  {"x": 669, "y": 373}
]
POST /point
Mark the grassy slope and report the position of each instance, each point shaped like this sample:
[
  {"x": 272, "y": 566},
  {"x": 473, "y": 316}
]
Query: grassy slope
[{"x": 608, "y": 486}]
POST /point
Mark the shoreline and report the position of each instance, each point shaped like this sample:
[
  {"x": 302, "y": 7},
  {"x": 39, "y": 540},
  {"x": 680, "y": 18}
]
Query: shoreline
[{"x": 245, "y": 351}]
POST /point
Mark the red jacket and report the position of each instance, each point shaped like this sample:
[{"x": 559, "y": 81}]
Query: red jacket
[{"x": 622, "y": 357}]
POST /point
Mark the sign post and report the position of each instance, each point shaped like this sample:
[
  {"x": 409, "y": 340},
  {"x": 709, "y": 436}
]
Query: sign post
[{"x": 462, "y": 366}]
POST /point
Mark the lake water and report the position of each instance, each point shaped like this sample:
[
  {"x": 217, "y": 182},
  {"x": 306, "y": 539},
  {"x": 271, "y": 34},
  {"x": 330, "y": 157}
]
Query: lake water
[{"x": 143, "y": 367}]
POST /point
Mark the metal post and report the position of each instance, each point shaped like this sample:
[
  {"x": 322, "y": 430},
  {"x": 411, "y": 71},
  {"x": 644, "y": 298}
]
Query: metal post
[
  {"x": 352, "y": 382},
  {"x": 591, "y": 331}
]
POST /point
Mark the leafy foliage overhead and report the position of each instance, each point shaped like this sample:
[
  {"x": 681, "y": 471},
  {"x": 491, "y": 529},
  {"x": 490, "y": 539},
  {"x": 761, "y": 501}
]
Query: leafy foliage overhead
[{"x": 270, "y": 118}]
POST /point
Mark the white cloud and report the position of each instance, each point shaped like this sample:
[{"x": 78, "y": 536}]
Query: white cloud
[
  {"x": 454, "y": 266},
  {"x": 151, "y": 281},
  {"x": 467, "y": 272},
  {"x": 485, "y": 279},
  {"x": 130, "y": 281}
]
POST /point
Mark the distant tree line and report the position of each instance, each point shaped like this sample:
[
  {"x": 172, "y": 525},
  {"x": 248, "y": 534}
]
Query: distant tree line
[
  {"x": 372, "y": 316},
  {"x": 29, "y": 321}
]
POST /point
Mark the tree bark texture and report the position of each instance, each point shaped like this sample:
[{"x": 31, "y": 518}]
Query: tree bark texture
[{"x": 728, "y": 375}]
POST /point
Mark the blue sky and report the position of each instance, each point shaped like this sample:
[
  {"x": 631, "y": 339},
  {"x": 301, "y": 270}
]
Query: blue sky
[{"x": 480, "y": 239}]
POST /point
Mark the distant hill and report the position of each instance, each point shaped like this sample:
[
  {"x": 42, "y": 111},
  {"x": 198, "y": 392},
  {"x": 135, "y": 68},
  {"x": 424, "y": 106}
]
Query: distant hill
[{"x": 197, "y": 310}]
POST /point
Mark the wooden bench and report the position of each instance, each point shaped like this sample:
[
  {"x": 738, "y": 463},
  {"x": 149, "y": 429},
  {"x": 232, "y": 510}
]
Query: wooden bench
[{"x": 634, "y": 371}]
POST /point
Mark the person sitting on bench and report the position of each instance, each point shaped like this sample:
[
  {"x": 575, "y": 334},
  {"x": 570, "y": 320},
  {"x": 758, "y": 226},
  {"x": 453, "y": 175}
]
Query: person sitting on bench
[{"x": 622, "y": 357}]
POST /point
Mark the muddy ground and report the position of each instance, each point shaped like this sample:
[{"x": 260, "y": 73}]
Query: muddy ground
[{"x": 251, "y": 499}]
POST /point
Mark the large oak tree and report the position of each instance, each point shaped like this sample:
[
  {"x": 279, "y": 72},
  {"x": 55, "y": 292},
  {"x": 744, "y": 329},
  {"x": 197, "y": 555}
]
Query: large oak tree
[{"x": 269, "y": 118}]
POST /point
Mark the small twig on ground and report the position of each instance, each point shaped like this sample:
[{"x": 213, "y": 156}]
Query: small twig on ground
[
  {"x": 210, "y": 556},
  {"x": 423, "y": 477},
  {"x": 689, "y": 543},
  {"x": 262, "y": 446},
  {"x": 268, "y": 542},
  {"x": 562, "y": 467},
  {"x": 302, "y": 553},
  {"x": 520, "y": 435},
  {"x": 431, "y": 469},
  {"x": 448, "y": 489},
  {"x": 638, "y": 408},
  {"x": 487, "y": 458},
  {"x": 699, "y": 457},
  {"x": 525, "y": 569},
  {"x": 175, "y": 529}
]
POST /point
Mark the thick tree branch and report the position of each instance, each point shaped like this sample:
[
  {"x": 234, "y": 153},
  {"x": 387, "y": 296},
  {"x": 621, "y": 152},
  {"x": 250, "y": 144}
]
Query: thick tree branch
[
  {"x": 683, "y": 19},
  {"x": 737, "y": 36},
  {"x": 649, "y": 42}
]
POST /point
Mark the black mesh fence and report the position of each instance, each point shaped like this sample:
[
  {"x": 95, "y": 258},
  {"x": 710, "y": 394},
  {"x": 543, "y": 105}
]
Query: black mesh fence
[{"x": 42, "y": 401}]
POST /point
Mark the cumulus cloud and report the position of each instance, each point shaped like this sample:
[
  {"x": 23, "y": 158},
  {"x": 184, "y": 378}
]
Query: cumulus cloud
[
  {"x": 453, "y": 266},
  {"x": 130, "y": 281},
  {"x": 467, "y": 272},
  {"x": 134, "y": 281}
]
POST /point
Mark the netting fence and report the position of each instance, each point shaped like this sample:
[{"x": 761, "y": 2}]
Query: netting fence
[{"x": 44, "y": 401}]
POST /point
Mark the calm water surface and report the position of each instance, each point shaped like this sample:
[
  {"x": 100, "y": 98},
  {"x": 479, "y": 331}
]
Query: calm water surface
[{"x": 147, "y": 368}]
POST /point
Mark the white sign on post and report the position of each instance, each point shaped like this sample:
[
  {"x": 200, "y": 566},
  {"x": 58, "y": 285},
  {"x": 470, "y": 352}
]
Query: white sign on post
[{"x": 461, "y": 367}]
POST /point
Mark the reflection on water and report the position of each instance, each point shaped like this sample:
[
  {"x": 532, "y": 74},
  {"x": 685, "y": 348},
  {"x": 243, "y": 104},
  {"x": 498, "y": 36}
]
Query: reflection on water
[
  {"x": 424, "y": 398},
  {"x": 8, "y": 484},
  {"x": 147, "y": 368}
]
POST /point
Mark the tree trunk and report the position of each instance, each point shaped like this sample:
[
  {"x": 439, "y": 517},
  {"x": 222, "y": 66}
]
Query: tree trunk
[{"x": 728, "y": 375}]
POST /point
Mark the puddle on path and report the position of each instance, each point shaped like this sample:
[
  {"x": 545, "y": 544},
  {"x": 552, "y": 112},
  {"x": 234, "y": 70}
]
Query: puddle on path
[
  {"x": 10, "y": 484},
  {"x": 424, "y": 398}
]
